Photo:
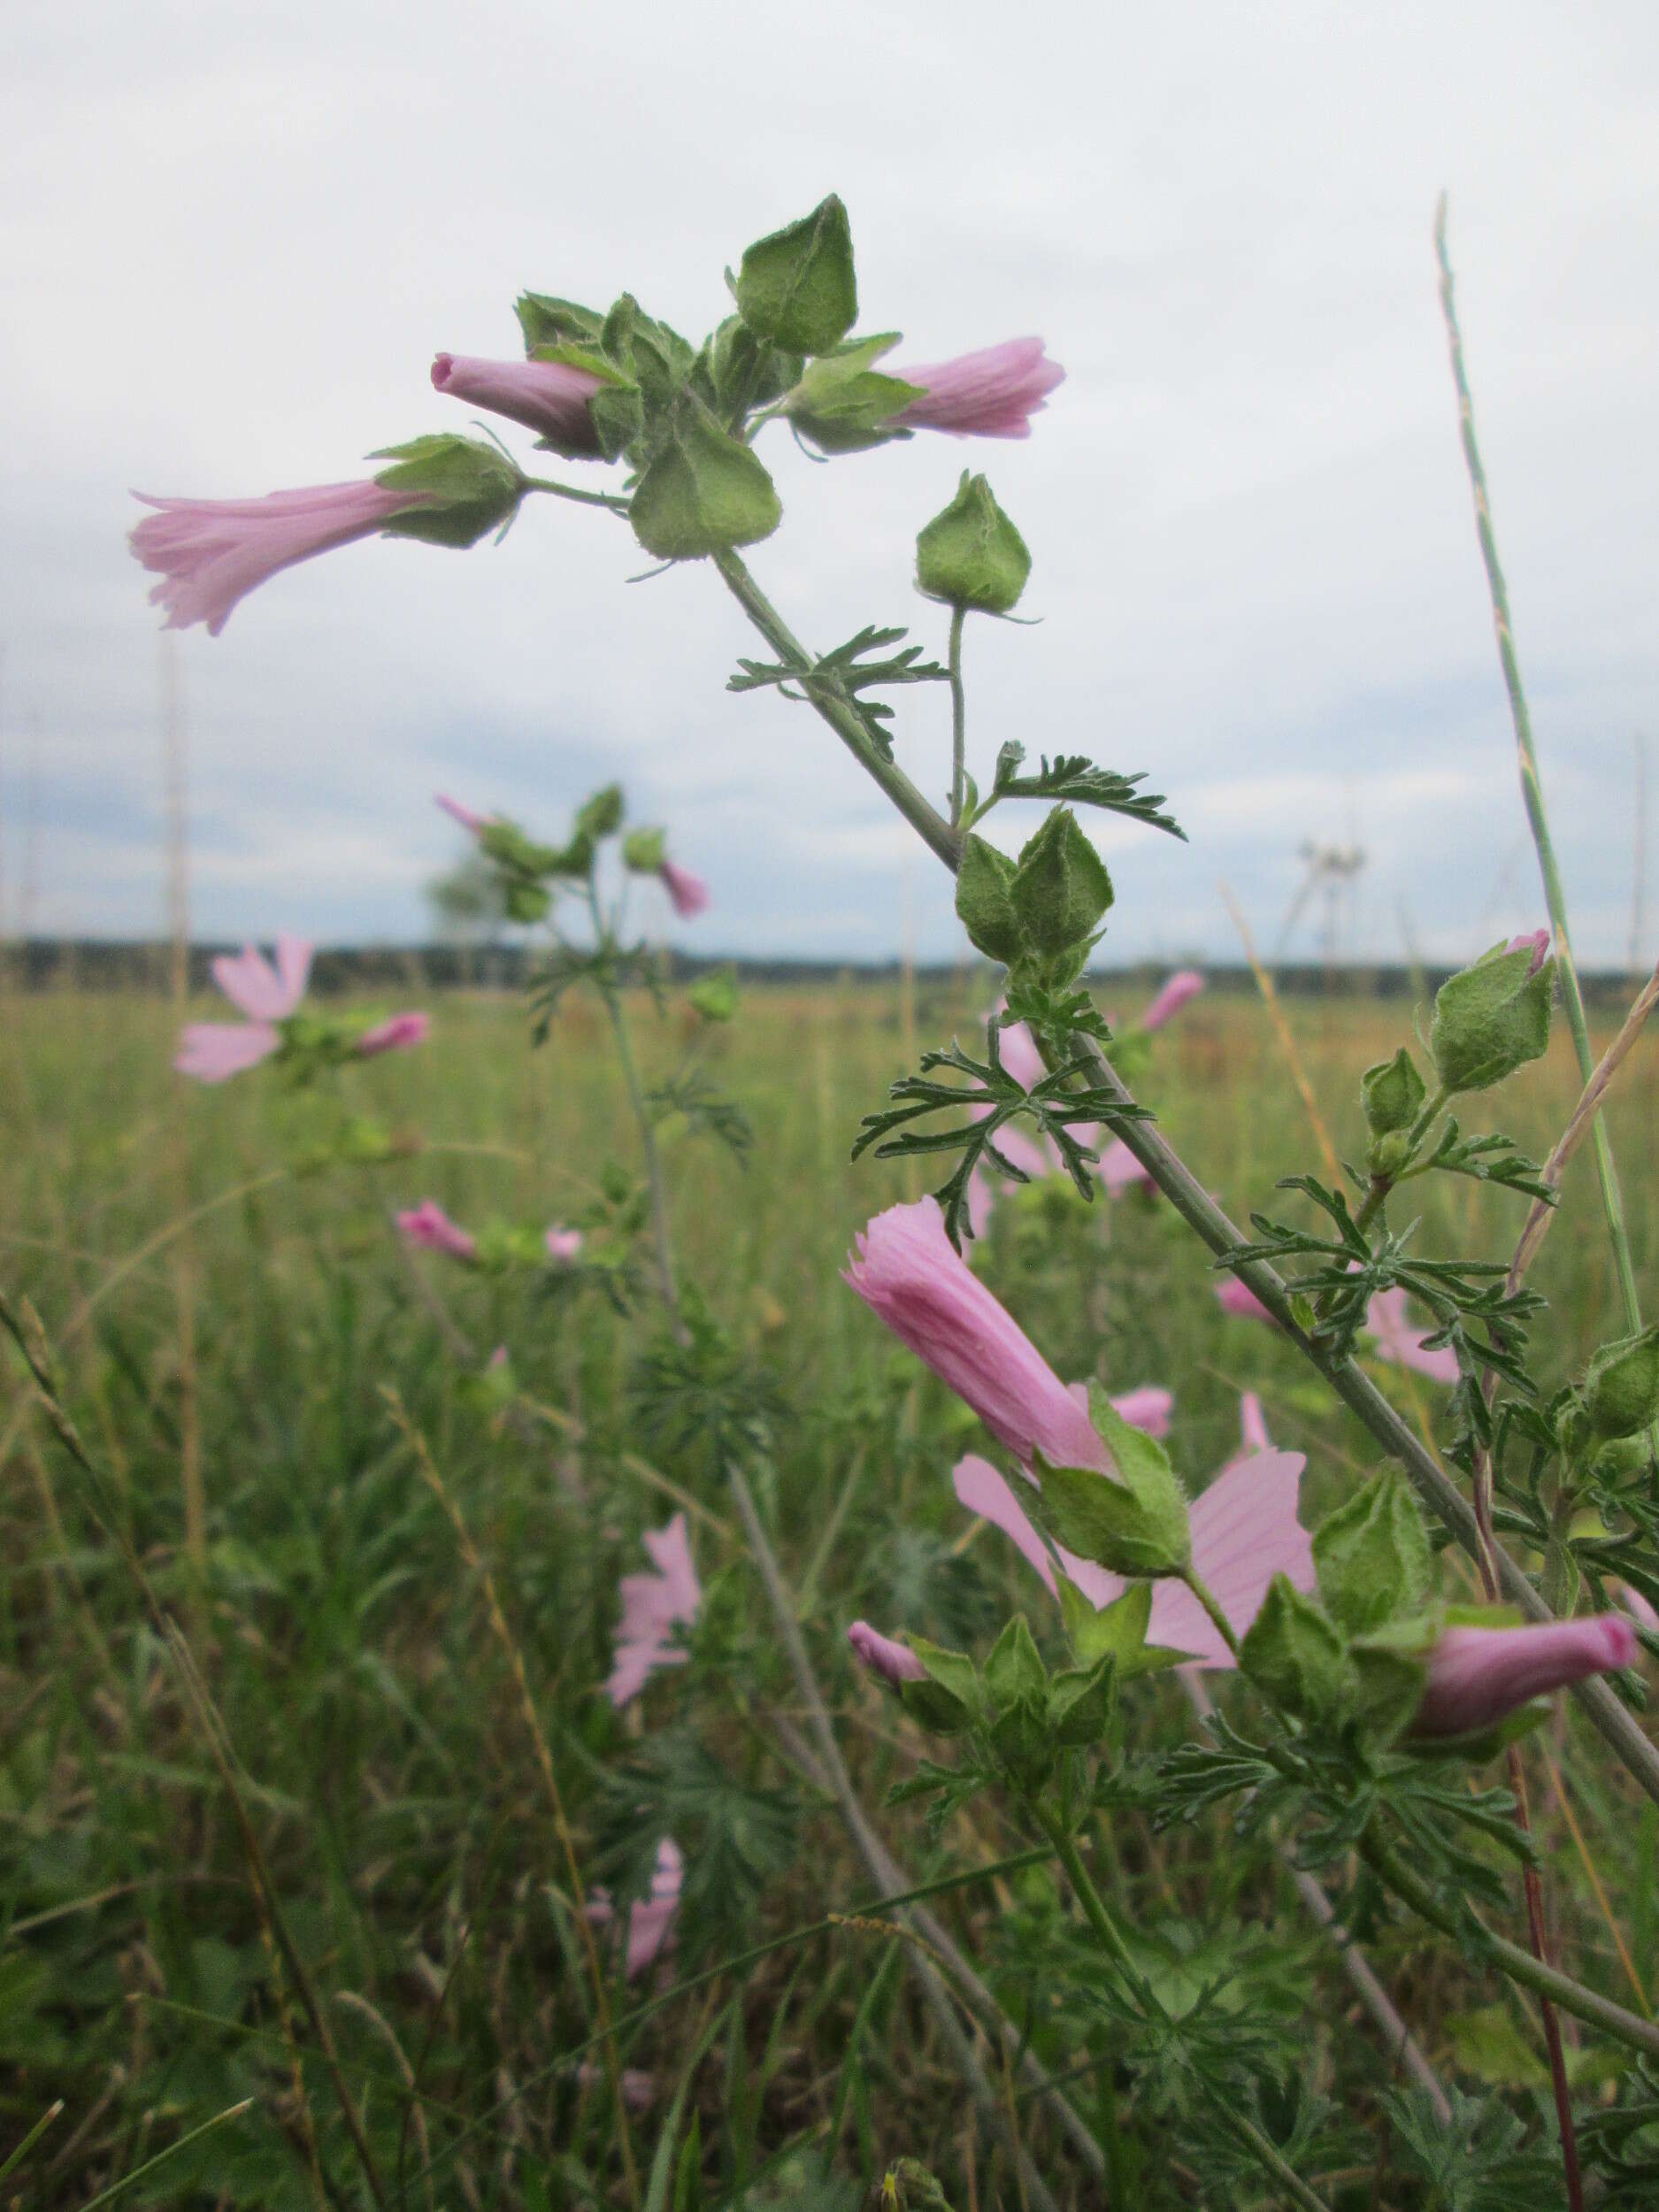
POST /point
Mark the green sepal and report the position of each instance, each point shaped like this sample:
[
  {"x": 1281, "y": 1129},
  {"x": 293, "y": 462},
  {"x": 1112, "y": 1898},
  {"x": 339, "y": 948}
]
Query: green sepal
[
  {"x": 1482, "y": 1744},
  {"x": 843, "y": 402},
  {"x": 1491, "y": 1019},
  {"x": 703, "y": 492},
  {"x": 506, "y": 844},
  {"x": 547, "y": 321},
  {"x": 1117, "y": 1630},
  {"x": 984, "y": 901},
  {"x": 1134, "y": 1523},
  {"x": 714, "y": 997},
  {"x": 958, "y": 1699},
  {"x": 644, "y": 851},
  {"x": 602, "y": 815},
  {"x": 742, "y": 371},
  {"x": 524, "y": 902},
  {"x": 616, "y": 411},
  {"x": 1389, "y": 1684},
  {"x": 1013, "y": 1667},
  {"x": 1019, "y": 1737},
  {"x": 1621, "y": 1385},
  {"x": 1080, "y": 1703},
  {"x": 1392, "y": 1093},
  {"x": 796, "y": 286},
  {"x": 1372, "y": 1555},
  {"x": 971, "y": 554},
  {"x": 460, "y": 489},
  {"x": 1060, "y": 887},
  {"x": 1292, "y": 1653}
]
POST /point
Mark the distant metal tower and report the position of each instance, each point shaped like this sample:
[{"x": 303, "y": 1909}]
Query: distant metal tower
[{"x": 1334, "y": 871}]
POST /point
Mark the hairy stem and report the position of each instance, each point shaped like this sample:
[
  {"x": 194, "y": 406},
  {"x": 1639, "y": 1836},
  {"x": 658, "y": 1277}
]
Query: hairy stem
[
  {"x": 661, "y": 1237},
  {"x": 1201, "y": 1214},
  {"x": 958, "y": 718}
]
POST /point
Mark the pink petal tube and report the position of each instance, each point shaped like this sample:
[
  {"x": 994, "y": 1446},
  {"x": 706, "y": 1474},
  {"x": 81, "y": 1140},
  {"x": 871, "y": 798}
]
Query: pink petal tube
[
  {"x": 212, "y": 1052},
  {"x": 549, "y": 398},
  {"x": 1535, "y": 939},
  {"x": 211, "y": 553},
  {"x": 992, "y": 394},
  {"x": 1149, "y": 1407},
  {"x": 457, "y": 812},
  {"x": 1387, "y": 1323},
  {"x": 431, "y": 1229},
  {"x": 895, "y": 1663},
  {"x": 255, "y": 988},
  {"x": 1187, "y": 984},
  {"x": 688, "y": 893},
  {"x": 907, "y": 1272},
  {"x": 1477, "y": 1675},
  {"x": 394, "y": 1035}
]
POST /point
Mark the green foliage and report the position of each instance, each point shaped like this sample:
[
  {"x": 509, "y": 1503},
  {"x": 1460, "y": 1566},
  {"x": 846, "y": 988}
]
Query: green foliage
[
  {"x": 703, "y": 491},
  {"x": 846, "y": 675},
  {"x": 1041, "y": 907},
  {"x": 1491, "y": 1019},
  {"x": 1372, "y": 1555},
  {"x": 459, "y": 489},
  {"x": 1621, "y": 1385},
  {"x": 1133, "y": 1521},
  {"x": 1393, "y": 1094},
  {"x": 1075, "y": 779},
  {"x": 1297, "y": 1656}
]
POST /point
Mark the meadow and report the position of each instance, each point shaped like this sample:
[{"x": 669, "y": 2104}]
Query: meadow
[{"x": 313, "y": 1880}]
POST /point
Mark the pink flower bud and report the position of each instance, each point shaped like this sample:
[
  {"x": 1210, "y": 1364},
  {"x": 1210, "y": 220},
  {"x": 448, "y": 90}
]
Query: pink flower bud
[
  {"x": 1149, "y": 1407},
  {"x": 991, "y": 394},
  {"x": 1535, "y": 939},
  {"x": 211, "y": 553},
  {"x": 895, "y": 1663},
  {"x": 549, "y": 398},
  {"x": 430, "y": 1229},
  {"x": 1477, "y": 1675},
  {"x": 1185, "y": 985},
  {"x": 394, "y": 1035},
  {"x": 463, "y": 815},
  {"x": 688, "y": 893},
  {"x": 563, "y": 1244},
  {"x": 907, "y": 1271}
]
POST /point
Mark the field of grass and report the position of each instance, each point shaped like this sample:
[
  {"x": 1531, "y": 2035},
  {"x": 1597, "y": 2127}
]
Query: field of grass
[{"x": 362, "y": 1918}]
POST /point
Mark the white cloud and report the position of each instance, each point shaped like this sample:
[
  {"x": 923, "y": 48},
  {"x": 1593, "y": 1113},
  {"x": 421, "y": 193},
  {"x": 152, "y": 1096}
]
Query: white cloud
[{"x": 234, "y": 238}]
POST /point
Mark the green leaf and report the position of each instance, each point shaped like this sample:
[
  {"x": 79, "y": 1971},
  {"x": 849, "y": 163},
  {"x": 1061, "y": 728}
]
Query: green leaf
[
  {"x": 984, "y": 901},
  {"x": 952, "y": 1697},
  {"x": 1621, "y": 1385},
  {"x": 602, "y": 816},
  {"x": 714, "y": 997},
  {"x": 1080, "y": 1702},
  {"x": 971, "y": 554},
  {"x": 459, "y": 489},
  {"x": 1013, "y": 1668},
  {"x": 1134, "y": 1526},
  {"x": 1292, "y": 1652},
  {"x": 703, "y": 492},
  {"x": 1075, "y": 777},
  {"x": 644, "y": 850},
  {"x": 796, "y": 285},
  {"x": 1372, "y": 1555}
]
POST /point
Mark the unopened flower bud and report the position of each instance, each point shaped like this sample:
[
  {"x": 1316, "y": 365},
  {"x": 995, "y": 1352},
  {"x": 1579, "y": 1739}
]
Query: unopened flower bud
[
  {"x": 971, "y": 554},
  {"x": 1621, "y": 1388},
  {"x": 1493, "y": 1018},
  {"x": 1392, "y": 1093}
]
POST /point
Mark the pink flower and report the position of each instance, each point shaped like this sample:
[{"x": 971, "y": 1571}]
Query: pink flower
[
  {"x": 211, "y": 553},
  {"x": 213, "y": 1051},
  {"x": 1396, "y": 1340},
  {"x": 1149, "y": 1407},
  {"x": 1235, "y": 1297},
  {"x": 563, "y": 1244},
  {"x": 1641, "y": 1611},
  {"x": 1539, "y": 942},
  {"x": 1245, "y": 1531},
  {"x": 651, "y": 1605},
  {"x": 1186, "y": 984},
  {"x": 463, "y": 815},
  {"x": 895, "y": 1662},
  {"x": 907, "y": 1272},
  {"x": 394, "y": 1035},
  {"x": 689, "y": 893},
  {"x": 1477, "y": 1675},
  {"x": 992, "y": 394},
  {"x": 1119, "y": 1170},
  {"x": 549, "y": 398},
  {"x": 430, "y": 1229},
  {"x": 650, "y": 1921}
]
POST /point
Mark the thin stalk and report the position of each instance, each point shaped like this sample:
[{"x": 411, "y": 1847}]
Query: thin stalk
[
  {"x": 958, "y": 719},
  {"x": 885, "y": 1870},
  {"x": 573, "y": 491},
  {"x": 1201, "y": 1214},
  {"x": 1520, "y": 1965},
  {"x": 660, "y": 1236},
  {"x": 1212, "y": 1604},
  {"x": 1532, "y": 783}
]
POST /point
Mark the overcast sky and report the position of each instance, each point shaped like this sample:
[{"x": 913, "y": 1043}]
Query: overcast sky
[{"x": 234, "y": 236}]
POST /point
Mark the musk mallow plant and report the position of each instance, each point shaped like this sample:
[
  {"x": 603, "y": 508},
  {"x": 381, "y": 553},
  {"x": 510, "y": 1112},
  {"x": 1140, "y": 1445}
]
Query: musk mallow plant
[{"x": 1361, "y": 1680}]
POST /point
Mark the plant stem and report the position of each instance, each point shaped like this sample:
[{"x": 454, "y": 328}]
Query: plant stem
[
  {"x": 1200, "y": 1212},
  {"x": 1532, "y": 784},
  {"x": 958, "y": 718},
  {"x": 660, "y": 1233},
  {"x": 573, "y": 491},
  {"x": 1520, "y": 1964},
  {"x": 1212, "y": 1604}
]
